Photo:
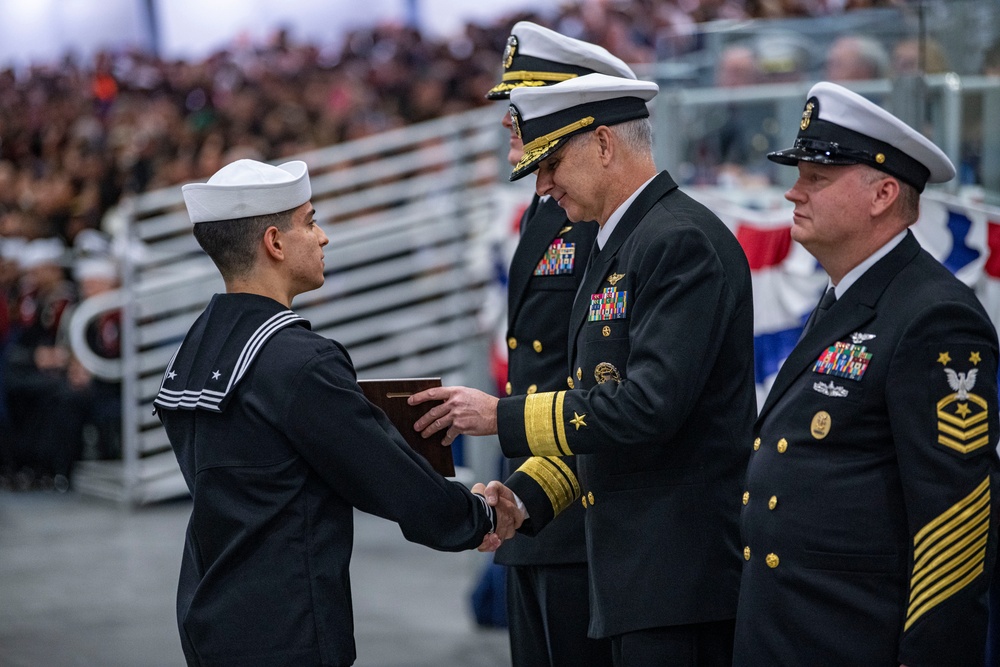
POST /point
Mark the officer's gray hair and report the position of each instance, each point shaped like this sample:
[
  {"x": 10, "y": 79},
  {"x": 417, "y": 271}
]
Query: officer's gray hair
[
  {"x": 637, "y": 135},
  {"x": 232, "y": 244}
]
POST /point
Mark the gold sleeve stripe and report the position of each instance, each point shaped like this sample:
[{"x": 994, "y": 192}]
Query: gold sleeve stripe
[
  {"x": 557, "y": 417},
  {"x": 945, "y": 589},
  {"x": 923, "y": 576},
  {"x": 963, "y": 448},
  {"x": 963, "y": 423},
  {"x": 949, "y": 552},
  {"x": 556, "y": 480},
  {"x": 935, "y": 542},
  {"x": 543, "y": 424},
  {"x": 959, "y": 433},
  {"x": 952, "y": 511}
]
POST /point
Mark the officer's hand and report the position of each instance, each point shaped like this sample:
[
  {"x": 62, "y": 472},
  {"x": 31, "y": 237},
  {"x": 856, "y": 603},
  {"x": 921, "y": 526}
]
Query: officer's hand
[
  {"x": 509, "y": 516},
  {"x": 464, "y": 410}
]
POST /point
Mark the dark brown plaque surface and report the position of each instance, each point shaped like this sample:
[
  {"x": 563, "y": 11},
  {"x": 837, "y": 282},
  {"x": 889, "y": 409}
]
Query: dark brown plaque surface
[{"x": 390, "y": 396}]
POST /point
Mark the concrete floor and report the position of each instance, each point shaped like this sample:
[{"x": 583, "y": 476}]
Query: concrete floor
[{"x": 87, "y": 583}]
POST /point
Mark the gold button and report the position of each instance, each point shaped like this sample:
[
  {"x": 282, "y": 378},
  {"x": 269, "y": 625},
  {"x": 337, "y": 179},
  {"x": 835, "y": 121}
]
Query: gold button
[
  {"x": 756, "y": 444},
  {"x": 772, "y": 503},
  {"x": 746, "y": 553},
  {"x": 772, "y": 561},
  {"x": 537, "y": 345},
  {"x": 579, "y": 373},
  {"x": 782, "y": 446},
  {"x": 583, "y": 501},
  {"x": 746, "y": 497},
  {"x": 606, "y": 331},
  {"x": 509, "y": 389},
  {"x": 590, "y": 497},
  {"x": 512, "y": 342},
  {"x": 532, "y": 389},
  {"x": 880, "y": 158},
  {"x": 569, "y": 381}
]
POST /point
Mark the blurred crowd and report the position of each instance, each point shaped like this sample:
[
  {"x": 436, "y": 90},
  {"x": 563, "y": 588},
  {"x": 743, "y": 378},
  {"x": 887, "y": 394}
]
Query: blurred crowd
[{"x": 77, "y": 137}]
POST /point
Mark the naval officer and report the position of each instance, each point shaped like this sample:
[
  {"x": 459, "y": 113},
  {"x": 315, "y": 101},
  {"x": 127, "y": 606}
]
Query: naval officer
[
  {"x": 867, "y": 515},
  {"x": 662, "y": 404}
]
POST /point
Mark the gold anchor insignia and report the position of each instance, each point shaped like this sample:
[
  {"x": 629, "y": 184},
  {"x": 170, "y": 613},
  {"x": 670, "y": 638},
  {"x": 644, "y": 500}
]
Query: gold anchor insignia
[
  {"x": 806, "y": 116},
  {"x": 614, "y": 278},
  {"x": 820, "y": 426},
  {"x": 577, "y": 420},
  {"x": 508, "y": 52}
]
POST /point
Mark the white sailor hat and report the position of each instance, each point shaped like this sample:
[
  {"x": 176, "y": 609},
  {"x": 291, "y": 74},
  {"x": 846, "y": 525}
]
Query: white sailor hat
[
  {"x": 247, "y": 188},
  {"x": 536, "y": 56},
  {"x": 42, "y": 252},
  {"x": 545, "y": 117},
  {"x": 840, "y": 127}
]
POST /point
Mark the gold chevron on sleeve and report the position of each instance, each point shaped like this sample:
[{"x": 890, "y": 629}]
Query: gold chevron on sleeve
[
  {"x": 968, "y": 431},
  {"x": 544, "y": 427},
  {"x": 555, "y": 478},
  {"x": 949, "y": 552}
]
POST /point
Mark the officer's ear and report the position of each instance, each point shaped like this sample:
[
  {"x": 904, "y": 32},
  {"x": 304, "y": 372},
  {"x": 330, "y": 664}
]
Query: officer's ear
[
  {"x": 884, "y": 194},
  {"x": 605, "y": 144}
]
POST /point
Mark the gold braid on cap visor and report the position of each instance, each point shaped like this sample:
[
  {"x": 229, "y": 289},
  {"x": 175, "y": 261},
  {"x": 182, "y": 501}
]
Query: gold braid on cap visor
[
  {"x": 536, "y": 148},
  {"x": 524, "y": 75}
]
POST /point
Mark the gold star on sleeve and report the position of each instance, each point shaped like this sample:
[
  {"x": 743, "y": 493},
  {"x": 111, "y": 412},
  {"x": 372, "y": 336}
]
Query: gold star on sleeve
[
  {"x": 577, "y": 420},
  {"x": 944, "y": 358},
  {"x": 975, "y": 358}
]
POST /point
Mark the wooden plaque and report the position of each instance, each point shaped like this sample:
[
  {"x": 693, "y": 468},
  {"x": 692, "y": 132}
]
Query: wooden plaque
[{"x": 390, "y": 396}]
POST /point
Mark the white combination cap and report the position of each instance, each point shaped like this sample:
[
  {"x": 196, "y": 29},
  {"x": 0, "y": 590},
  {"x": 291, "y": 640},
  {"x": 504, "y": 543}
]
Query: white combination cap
[
  {"x": 545, "y": 117},
  {"x": 247, "y": 188},
  {"x": 840, "y": 127},
  {"x": 536, "y": 56}
]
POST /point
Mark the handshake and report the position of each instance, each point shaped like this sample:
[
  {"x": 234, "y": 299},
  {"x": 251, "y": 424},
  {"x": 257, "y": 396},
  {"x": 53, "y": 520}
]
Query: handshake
[
  {"x": 472, "y": 412},
  {"x": 509, "y": 516}
]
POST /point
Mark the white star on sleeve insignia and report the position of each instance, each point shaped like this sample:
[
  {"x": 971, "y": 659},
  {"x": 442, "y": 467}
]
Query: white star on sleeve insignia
[
  {"x": 171, "y": 375},
  {"x": 216, "y": 375}
]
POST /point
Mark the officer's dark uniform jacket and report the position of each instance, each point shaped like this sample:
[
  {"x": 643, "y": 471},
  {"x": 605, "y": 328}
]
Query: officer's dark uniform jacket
[
  {"x": 545, "y": 273},
  {"x": 278, "y": 445},
  {"x": 866, "y": 515},
  {"x": 661, "y": 335}
]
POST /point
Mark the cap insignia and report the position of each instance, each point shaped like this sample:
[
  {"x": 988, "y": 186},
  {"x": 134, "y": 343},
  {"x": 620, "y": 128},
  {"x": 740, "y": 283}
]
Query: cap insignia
[
  {"x": 806, "y": 115},
  {"x": 515, "y": 120},
  {"x": 508, "y": 52}
]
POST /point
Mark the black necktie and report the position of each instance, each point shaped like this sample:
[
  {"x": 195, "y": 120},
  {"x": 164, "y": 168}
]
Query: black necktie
[{"x": 824, "y": 305}]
